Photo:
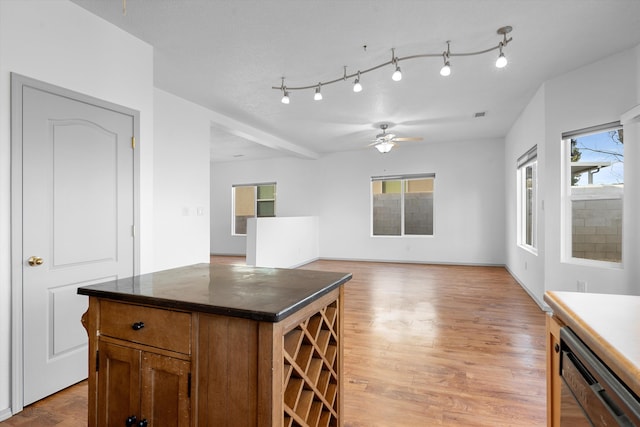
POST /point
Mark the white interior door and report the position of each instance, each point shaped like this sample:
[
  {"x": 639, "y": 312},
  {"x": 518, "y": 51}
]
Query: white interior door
[{"x": 77, "y": 227}]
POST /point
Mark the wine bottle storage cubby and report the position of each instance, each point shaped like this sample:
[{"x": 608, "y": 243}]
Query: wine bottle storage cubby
[{"x": 311, "y": 371}]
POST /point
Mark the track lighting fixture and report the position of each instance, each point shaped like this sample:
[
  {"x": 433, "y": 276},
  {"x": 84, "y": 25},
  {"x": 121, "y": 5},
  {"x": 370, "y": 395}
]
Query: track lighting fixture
[
  {"x": 501, "y": 62},
  {"x": 357, "y": 87}
]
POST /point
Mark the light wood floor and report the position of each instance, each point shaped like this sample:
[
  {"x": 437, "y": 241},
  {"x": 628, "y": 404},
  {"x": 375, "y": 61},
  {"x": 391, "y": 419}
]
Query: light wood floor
[{"x": 425, "y": 345}]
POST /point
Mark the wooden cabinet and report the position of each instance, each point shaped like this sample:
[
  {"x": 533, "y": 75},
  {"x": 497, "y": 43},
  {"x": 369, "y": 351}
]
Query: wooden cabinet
[
  {"x": 553, "y": 372},
  {"x": 593, "y": 338},
  {"x": 141, "y": 387},
  {"x": 195, "y": 366},
  {"x": 288, "y": 373},
  {"x": 142, "y": 367}
]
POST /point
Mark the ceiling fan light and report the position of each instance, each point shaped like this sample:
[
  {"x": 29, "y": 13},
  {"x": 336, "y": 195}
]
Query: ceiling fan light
[
  {"x": 317, "y": 96},
  {"x": 397, "y": 74},
  {"x": 285, "y": 98},
  {"x": 445, "y": 70},
  {"x": 501, "y": 62},
  {"x": 357, "y": 87},
  {"x": 384, "y": 147}
]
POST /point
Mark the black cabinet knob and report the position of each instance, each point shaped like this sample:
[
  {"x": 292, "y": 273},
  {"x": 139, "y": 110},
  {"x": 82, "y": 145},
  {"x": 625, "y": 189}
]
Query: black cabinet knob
[
  {"x": 129, "y": 422},
  {"x": 557, "y": 348},
  {"x": 143, "y": 423},
  {"x": 137, "y": 326}
]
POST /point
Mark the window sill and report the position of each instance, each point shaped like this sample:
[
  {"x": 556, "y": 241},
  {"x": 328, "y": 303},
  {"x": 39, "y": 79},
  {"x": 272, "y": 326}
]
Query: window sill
[{"x": 594, "y": 263}]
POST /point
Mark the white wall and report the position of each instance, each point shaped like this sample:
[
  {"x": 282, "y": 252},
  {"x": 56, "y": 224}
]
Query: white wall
[
  {"x": 595, "y": 94},
  {"x": 60, "y": 43},
  {"x": 282, "y": 242},
  {"x": 181, "y": 182},
  {"x": 528, "y": 131},
  {"x": 469, "y": 184},
  {"x": 637, "y": 54}
]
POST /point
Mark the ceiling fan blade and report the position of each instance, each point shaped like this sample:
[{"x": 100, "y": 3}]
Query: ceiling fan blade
[{"x": 407, "y": 139}]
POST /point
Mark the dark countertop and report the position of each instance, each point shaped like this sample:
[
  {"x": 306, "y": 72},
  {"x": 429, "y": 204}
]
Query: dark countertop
[
  {"x": 264, "y": 294},
  {"x": 608, "y": 324}
]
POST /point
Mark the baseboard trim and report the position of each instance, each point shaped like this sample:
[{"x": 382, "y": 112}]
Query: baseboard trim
[
  {"x": 226, "y": 254},
  {"x": 5, "y": 414},
  {"x": 544, "y": 307},
  {"x": 411, "y": 262}
]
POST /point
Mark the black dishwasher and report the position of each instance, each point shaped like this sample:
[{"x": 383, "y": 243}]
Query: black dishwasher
[{"x": 601, "y": 398}]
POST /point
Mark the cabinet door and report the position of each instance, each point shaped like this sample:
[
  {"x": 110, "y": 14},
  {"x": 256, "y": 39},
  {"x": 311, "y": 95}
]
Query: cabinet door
[
  {"x": 554, "y": 390},
  {"x": 166, "y": 394},
  {"x": 118, "y": 384}
]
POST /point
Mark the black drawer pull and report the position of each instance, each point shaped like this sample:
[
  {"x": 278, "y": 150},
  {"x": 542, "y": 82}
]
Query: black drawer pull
[
  {"x": 143, "y": 423},
  {"x": 137, "y": 326},
  {"x": 129, "y": 422}
]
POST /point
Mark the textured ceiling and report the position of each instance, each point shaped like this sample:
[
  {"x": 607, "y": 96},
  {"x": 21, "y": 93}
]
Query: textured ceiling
[{"x": 227, "y": 54}]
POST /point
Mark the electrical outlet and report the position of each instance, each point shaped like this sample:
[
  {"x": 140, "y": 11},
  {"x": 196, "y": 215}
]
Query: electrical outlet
[{"x": 582, "y": 286}]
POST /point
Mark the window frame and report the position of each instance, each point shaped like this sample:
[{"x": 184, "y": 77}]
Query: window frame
[
  {"x": 403, "y": 179},
  {"x": 528, "y": 159},
  {"x": 568, "y": 198},
  {"x": 256, "y": 202}
]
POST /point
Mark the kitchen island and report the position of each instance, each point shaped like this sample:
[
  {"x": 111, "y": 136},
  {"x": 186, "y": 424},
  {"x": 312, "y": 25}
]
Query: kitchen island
[
  {"x": 217, "y": 345},
  {"x": 608, "y": 325}
]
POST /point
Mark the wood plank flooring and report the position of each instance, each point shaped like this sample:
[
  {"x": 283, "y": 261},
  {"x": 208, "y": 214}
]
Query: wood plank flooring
[{"x": 425, "y": 345}]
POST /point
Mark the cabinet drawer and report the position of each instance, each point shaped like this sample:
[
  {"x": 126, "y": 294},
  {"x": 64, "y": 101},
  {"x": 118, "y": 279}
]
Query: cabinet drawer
[{"x": 166, "y": 329}]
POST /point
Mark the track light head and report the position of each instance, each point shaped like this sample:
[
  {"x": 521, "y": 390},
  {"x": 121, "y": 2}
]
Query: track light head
[
  {"x": 285, "y": 98},
  {"x": 357, "y": 87},
  {"x": 317, "y": 96},
  {"x": 445, "y": 70},
  {"x": 397, "y": 74},
  {"x": 285, "y": 93},
  {"x": 501, "y": 62}
]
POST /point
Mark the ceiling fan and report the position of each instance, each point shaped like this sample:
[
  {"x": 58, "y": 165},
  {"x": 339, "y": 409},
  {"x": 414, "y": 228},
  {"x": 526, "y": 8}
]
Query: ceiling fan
[{"x": 384, "y": 141}]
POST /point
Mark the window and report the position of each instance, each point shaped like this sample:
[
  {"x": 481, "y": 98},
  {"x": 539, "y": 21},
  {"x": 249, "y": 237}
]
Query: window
[
  {"x": 251, "y": 201},
  {"x": 594, "y": 186},
  {"x": 527, "y": 196},
  {"x": 402, "y": 205}
]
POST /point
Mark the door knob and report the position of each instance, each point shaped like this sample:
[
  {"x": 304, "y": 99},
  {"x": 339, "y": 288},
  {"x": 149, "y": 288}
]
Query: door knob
[{"x": 35, "y": 260}]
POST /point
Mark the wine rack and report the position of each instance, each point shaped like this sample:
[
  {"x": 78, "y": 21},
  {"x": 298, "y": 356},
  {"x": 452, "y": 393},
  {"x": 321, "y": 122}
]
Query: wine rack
[{"x": 310, "y": 373}]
